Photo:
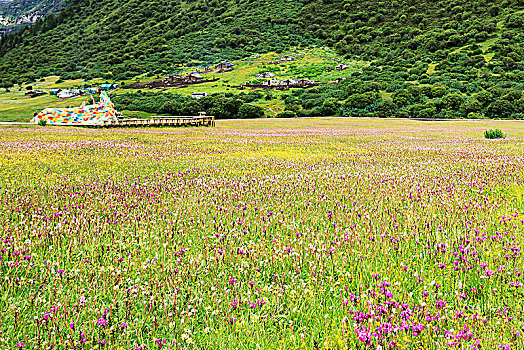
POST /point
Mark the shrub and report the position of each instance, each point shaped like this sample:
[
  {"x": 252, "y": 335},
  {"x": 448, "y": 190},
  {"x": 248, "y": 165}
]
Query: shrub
[
  {"x": 494, "y": 134},
  {"x": 475, "y": 115},
  {"x": 286, "y": 114},
  {"x": 499, "y": 109},
  {"x": 452, "y": 101},
  {"x": 171, "y": 107},
  {"x": 42, "y": 122},
  {"x": 330, "y": 107},
  {"x": 250, "y": 111},
  {"x": 363, "y": 100}
]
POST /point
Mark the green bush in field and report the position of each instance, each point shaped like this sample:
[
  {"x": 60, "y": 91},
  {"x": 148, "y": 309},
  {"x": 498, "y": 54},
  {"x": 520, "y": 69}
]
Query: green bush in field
[
  {"x": 250, "y": 111},
  {"x": 286, "y": 114},
  {"x": 494, "y": 134}
]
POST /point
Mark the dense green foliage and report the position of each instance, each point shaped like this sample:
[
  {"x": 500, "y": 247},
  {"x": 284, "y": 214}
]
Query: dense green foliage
[
  {"x": 358, "y": 96},
  {"x": 222, "y": 106},
  {"x": 123, "y": 38},
  {"x": 89, "y": 38},
  {"x": 362, "y": 95},
  {"x": 494, "y": 134}
]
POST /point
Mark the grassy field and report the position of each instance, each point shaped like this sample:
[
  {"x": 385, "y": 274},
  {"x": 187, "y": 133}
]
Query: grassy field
[
  {"x": 311, "y": 63},
  {"x": 15, "y": 107},
  {"x": 263, "y": 234}
]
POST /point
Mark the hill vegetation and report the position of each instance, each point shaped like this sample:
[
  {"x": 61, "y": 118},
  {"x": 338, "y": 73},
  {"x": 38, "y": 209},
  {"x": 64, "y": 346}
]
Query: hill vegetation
[
  {"x": 444, "y": 59},
  {"x": 90, "y": 38}
]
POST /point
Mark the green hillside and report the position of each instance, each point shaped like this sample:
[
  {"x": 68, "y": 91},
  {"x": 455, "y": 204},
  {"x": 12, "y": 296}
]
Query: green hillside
[
  {"x": 122, "y": 38},
  {"x": 435, "y": 59}
]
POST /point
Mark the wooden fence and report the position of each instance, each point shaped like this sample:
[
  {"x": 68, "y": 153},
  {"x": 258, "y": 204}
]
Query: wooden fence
[{"x": 165, "y": 121}]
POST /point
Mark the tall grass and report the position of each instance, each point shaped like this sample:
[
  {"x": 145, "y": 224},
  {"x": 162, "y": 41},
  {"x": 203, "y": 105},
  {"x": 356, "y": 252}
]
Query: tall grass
[{"x": 260, "y": 235}]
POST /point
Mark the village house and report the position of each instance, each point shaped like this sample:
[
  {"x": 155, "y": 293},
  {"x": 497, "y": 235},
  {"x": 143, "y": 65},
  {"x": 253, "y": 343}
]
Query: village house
[
  {"x": 173, "y": 79},
  {"x": 288, "y": 82},
  {"x": 287, "y": 59},
  {"x": 194, "y": 77},
  {"x": 69, "y": 93},
  {"x": 198, "y": 95},
  {"x": 341, "y": 67},
  {"x": 108, "y": 87},
  {"x": 339, "y": 79},
  {"x": 224, "y": 66},
  {"x": 305, "y": 82},
  {"x": 35, "y": 93},
  {"x": 92, "y": 91},
  {"x": 265, "y": 75},
  {"x": 272, "y": 82},
  {"x": 54, "y": 91}
]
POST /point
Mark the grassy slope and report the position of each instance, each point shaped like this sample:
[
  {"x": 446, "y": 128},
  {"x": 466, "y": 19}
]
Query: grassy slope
[{"x": 312, "y": 63}]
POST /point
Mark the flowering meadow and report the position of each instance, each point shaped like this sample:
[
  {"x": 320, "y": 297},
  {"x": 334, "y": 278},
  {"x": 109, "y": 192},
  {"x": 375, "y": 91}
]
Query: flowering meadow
[{"x": 263, "y": 234}]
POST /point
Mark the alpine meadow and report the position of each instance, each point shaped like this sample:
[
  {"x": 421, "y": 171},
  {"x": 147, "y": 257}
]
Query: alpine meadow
[{"x": 261, "y": 174}]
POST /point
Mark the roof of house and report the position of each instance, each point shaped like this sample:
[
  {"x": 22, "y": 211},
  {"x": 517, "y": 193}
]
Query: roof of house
[{"x": 265, "y": 75}]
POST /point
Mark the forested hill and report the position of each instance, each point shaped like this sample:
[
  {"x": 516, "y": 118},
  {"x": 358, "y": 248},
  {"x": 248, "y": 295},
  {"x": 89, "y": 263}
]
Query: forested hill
[{"x": 121, "y": 38}]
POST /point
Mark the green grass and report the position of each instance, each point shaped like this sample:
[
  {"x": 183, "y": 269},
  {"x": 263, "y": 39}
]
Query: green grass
[
  {"x": 15, "y": 107},
  {"x": 136, "y": 114},
  {"x": 133, "y": 237}
]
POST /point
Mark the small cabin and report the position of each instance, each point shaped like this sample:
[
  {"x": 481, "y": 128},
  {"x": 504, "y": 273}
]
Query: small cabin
[
  {"x": 224, "y": 66},
  {"x": 54, "y": 91},
  {"x": 342, "y": 67},
  {"x": 108, "y": 87},
  {"x": 265, "y": 75},
  {"x": 198, "y": 94},
  {"x": 35, "y": 93},
  {"x": 288, "y": 58},
  {"x": 194, "y": 77},
  {"x": 92, "y": 91},
  {"x": 66, "y": 94}
]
